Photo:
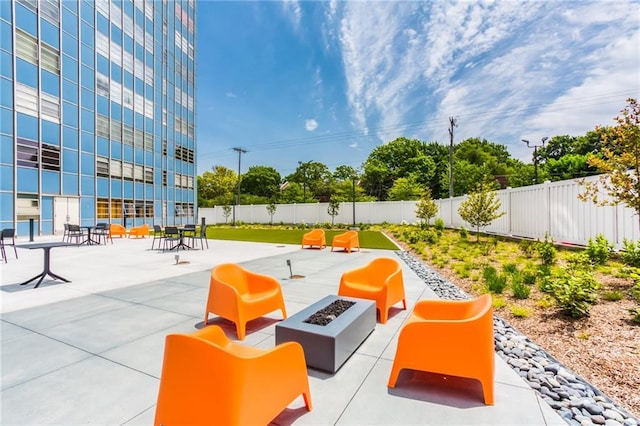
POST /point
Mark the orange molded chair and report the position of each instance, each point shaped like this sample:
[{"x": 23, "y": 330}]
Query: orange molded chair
[
  {"x": 380, "y": 280},
  {"x": 240, "y": 295},
  {"x": 139, "y": 231},
  {"x": 314, "y": 238},
  {"x": 209, "y": 380},
  {"x": 449, "y": 337},
  {"x": 348, "y": 241},
  {"x": 116, "y": 230}
]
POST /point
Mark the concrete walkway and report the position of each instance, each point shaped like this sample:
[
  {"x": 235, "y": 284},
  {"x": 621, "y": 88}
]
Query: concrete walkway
[{"x": 90, "y": 351}]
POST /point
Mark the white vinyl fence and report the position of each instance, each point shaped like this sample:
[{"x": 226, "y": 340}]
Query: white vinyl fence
[{"x": 551, "y": 208}]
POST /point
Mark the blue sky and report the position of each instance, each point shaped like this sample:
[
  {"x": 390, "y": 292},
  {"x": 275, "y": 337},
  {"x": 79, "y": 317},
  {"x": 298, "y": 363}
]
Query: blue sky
[{"x": 329, "y": 81}]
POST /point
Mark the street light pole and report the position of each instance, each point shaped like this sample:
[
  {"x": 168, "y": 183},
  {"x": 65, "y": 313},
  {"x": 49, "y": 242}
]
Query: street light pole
[
  {"x": 535, "y": 155},
  {"x": 240, "y": 151},
  {"x": 353, "y": 199}
]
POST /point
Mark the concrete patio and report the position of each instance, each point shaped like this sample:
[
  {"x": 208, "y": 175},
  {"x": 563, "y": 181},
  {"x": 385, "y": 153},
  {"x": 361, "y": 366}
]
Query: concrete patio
[{"x": 90, "y": 351}]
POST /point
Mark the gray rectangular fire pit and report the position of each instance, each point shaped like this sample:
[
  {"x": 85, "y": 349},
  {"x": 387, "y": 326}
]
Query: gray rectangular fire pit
[{"x": 328, "y": 347}]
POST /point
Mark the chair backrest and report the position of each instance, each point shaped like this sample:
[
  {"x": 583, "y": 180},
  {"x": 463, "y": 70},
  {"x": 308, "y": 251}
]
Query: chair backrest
[
  {"x": 233, "y": 275},
  {"x": 9, "y": 233},
  {"x": 74, "y": 228},
  {"x": 384, "y": 266},
  {"x": 190, "y": 226},
  {"x": 66, "y": 226},
  {"x": 102, "y": 225},
  {"x": 171, "y": 231},
  {"x": 197, "y": 384},
  {"x": 157, "y": 229}
]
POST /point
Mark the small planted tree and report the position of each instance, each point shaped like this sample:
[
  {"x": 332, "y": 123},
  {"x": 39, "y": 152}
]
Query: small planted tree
[
  {"x": 481, "y": 208},
  {"x": 271, "y": 209},
  {"x": 619, "y": 161},
  {"x": 333, "y": 208},
  {"x": 426, "y": 208},
  {"x": 226, "y": 211}
]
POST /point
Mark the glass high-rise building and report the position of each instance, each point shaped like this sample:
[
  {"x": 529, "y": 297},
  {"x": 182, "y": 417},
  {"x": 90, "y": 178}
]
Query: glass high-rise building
[{"x": 97, "y": 115}]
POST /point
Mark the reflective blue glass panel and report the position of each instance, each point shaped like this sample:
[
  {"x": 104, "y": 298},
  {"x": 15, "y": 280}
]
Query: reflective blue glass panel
[
  {"x": 27, "y": 179},
  {"x": 50, "y": 182},
  {"x": 69, "y": 184}
]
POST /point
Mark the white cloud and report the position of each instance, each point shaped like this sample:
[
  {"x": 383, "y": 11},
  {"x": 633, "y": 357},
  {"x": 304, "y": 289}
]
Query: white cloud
[
  {"x": 230, "y": 95},
  {"x": 293, "y": 10},
  {"x": 507, "y": 69},
  {"x": 310, "y": 124}
]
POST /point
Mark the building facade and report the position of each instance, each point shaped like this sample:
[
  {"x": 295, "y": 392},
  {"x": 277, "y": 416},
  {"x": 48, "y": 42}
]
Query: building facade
[{"x": 97, "y": 113}]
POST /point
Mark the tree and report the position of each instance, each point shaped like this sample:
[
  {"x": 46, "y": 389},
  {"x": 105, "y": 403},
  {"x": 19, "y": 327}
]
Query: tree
[
  {"x": 226, "y": 211},
  {"x": 262, "y": 181},
  {"x": 426, "y": 208},
  {"x": 619, "y": 162},
  {"x": 271, "y": 209},
  {"x": 333, "y": 208},
  {"x": 314, "y": 178},
  {"x": 405, "y": 189},
  {"x": 217, "y": 186},
  {"x": 481, "y": 208}
]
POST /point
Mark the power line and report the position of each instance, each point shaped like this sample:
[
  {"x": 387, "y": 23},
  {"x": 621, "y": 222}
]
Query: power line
[{"x": 470, "y": 117}]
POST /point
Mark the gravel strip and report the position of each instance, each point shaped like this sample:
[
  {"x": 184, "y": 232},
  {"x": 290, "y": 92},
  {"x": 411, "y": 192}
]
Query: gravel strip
[{"x": 574, "y": 399}]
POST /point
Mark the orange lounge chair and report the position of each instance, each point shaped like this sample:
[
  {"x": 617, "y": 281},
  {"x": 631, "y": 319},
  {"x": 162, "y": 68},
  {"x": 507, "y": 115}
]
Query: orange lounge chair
[
  {"x": 314, "y": 238},
  {"x": 209, "y": 380},
  {"x": 380, "y": 280},
  {"x": 348, "y": 241},
  {"x": 139, "y": 231},
  {"x": 116, "y": 230},
  {"x": 240, "y": 295},
  {"x": 449, "y": 337}
]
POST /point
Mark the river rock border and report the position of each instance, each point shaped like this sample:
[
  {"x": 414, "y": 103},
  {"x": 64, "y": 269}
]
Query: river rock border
[{"x": 574, "y": 399}]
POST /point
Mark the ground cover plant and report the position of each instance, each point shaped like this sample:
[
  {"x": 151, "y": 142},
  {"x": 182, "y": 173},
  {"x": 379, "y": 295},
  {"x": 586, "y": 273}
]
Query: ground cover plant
[{"x": 581, "y": 305}]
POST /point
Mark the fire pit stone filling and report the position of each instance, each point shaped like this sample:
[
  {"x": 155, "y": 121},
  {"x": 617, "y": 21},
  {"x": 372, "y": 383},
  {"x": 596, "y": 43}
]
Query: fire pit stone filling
[{"x": 329, "y": 342}]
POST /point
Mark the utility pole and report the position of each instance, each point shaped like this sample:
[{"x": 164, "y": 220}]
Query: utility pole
[
  {"x": 535, "y": 156},
  {"x": 240, "y": 151},
  {"x": 453, "y": 122}
]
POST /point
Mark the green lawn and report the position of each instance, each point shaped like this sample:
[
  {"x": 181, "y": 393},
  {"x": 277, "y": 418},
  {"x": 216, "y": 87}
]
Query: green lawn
[{"x": 368, "y": 239}]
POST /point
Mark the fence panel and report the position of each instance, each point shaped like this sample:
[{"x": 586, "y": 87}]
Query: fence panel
[{"x": 550, "y": 208}]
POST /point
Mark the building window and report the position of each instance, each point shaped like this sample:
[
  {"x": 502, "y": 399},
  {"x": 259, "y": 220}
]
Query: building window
[
  {"x": 27, "y": 153},
  {"x": 102, "y": 85},
  {"x": 26, "y": 99},
  {"x": 102, "y": 126},
  {"x": 164, "y": 178},
  {"x": 148, "y": 175},
  {"x": 50, "y": 58},
  {"x": 102, "y": 166},
  {"x": 148, "y": 142},
  {"x": 102, "y": 208},
  {"x": 116, "y": 168},
  {"x": 127, "y": 171},
  {"x": 116, "y": 209},
  {"x": 26, "y": 47},
  {"x": 138, "y": 173},
  {"x": 50, "y": 107},
  {"x": 29, "y": 4},
  {"x": 50, "y": 10},
  {"x": 116, "y": 131},
  {"x": 127, "y": 135},
  {"x": 50, "y": 157}
]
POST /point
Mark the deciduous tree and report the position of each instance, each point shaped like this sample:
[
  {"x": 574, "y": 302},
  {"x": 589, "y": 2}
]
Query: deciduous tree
[
  {"x": 426, "y": 208},
  {"x": 619, "y": 162},
  {"x": 481, "y": 208}
]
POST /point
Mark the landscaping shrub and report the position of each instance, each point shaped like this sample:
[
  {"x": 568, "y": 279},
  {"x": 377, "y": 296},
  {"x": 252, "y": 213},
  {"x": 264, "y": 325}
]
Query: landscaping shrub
[
  {"x": 520, "y": 311},
  {"x": 439, "y": 224},
  {"x": 635, "y": 312},
  {"x": 496, "y": 283},
  {"x": 635, "y": 291},
  {"x": 464, "y": 233},
  {"x": 547, "y": 251},
  {"x": 488, "y": 272},
  {"x": 631, "y": 254},
  {"x": 510, "y": 268},
  {"x": 574, "y": 291},
  {"x": 528, "y": 277},
  {"x": 519, "y": 288},
  {"x": 598, "y": 250},
  {"x": 527, "y": 247},
  {"x": 612, "y": 296}
]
